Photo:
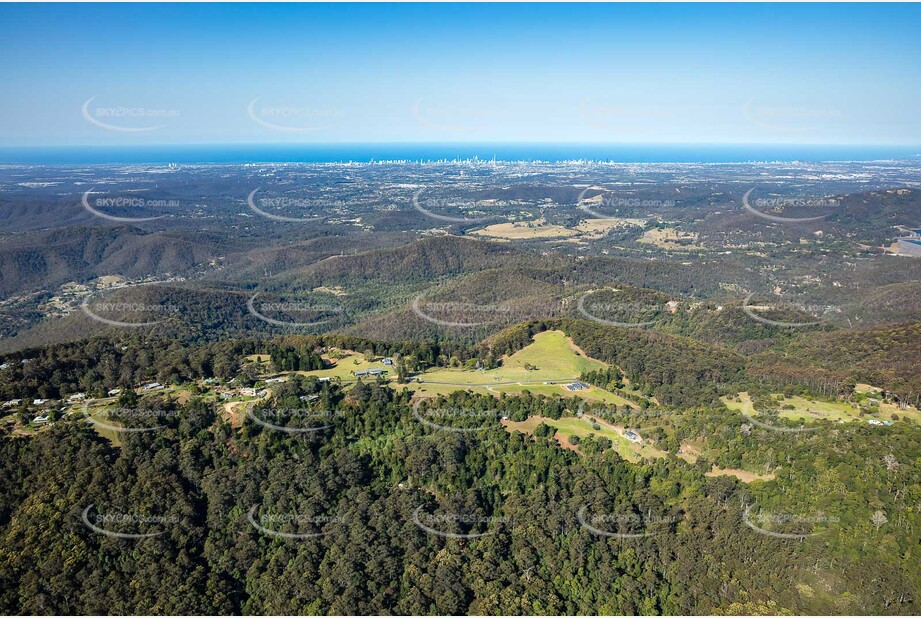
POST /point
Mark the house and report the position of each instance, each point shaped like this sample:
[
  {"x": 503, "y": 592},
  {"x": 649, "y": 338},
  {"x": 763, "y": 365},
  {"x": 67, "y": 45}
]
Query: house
[
  {"x": 873, "y": 421},
  {"x": 275, "y": 380},
  {"x": 576, "y": 386},
  {"x": 369, "y": 372},
  {"x": 39, "y": 402},
  {"x": 114, "y": 391},
  {"x": 152, "y": 386},
  {"x": 309, "y": 398},
  {"x": 12, "y": 402},
  {"x": 388, "y": 361},
  {"x": 324, "y": 379},
  {"x": 76, "y": 397},
  {"x": 632, "y": 435},
  {"x": 4, "y": 365},
  {"x": 248, "y": 392},
  {"x": 39, "y": 420},
  {"x": 226, "y": 395}
]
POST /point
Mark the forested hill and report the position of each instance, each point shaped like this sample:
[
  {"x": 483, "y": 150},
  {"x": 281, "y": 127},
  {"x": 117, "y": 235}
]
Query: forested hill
[
  {"x": 366, "y": 503},
  {"x": 38, "y": 260}
]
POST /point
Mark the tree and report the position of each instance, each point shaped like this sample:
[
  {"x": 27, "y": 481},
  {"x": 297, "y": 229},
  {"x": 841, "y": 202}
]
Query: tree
[{"x": 879, "y": 518}]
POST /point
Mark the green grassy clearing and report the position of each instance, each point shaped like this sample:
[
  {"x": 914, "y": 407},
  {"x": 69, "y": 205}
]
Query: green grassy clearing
[
  {"x": 812, "y": 410},
  {"x": 582, "y": 427},
  {"x": 555, "y": 357}
]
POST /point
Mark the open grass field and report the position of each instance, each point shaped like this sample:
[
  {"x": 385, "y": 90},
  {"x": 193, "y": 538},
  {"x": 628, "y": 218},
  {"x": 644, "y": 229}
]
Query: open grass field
[
  {"x": 260, "y": 359},
  {"x": 345, "y": 367},
  {"x": 743, "y": 475},
  {"x": 550, "y": 390},
  {"x": 553, "y": 356},
  {"x": 524, "y": 230},
  {"x": 587, "y": 229},
  {"x": 671, "y": 239},
  {"x": 812, "y": 410},
  {"x": 571, "y": 426},
  {"x": 98, "y": 413},
  {"x": 553, "y": 360}
]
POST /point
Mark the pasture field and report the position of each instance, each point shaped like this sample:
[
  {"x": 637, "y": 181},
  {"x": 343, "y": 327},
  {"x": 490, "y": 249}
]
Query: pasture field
[
  {"x": 524, "y": 230},
  {"x": 812, "y": 410},
  {"x": 552, "y": 356},
  {"x": 345, "y": 367},
  {"x": 542, "y": 367},
  {"x": 98, "y": 413},
  {"x": 671, "y": 239},
  {"x": 582, "y": 427},
  {"x": 259, "y": 359},
  {"x": 743, "y": 475}
]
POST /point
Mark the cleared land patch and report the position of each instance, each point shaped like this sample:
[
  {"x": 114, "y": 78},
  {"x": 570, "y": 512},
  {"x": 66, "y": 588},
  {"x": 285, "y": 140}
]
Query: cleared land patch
[
  {"x": 743, "y": 475},
  {"x": 551, "y": 361},
  {"x": 582, "y": 427},
  {"x": 802, "y": 409}
]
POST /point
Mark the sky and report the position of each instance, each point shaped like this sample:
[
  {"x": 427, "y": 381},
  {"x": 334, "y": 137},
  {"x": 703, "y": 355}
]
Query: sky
[{"x": 112, "y": 74}]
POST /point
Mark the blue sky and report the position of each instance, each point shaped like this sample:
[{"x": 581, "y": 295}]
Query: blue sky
[{"x": 281, "y": 73}]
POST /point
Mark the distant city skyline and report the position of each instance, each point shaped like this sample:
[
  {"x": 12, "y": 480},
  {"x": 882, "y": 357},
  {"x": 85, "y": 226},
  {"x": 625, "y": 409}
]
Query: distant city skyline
[{"x": 118, "y": 75}]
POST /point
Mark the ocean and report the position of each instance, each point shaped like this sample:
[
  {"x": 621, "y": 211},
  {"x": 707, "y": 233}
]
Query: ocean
[{"x": 363, "y": 153}]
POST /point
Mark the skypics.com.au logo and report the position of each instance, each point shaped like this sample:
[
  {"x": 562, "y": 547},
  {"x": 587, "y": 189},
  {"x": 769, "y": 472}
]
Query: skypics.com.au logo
[
  {"x": 126, "y": 119},
  {"x": 128, "y": 420},
  {"x": 458, "y": 420},
  {"x": 623, "y": 314},
  {"x": 290, "y": 118},
  {"x": 763, "y": 207},
  {"x": 759, "y": 312},
  {"x": 123, "y": 203},
  {"x": 763, "y": 521},
  {"x": 294, "y": 420},
  {"x": 269, "y": 524},
  {"x": 124, "y": 309},
  {"x": 612, "y": 203},
  {"x": 300, "y": 313},
  {"x": 457, "y": 525},
  {"x": 434, "y": 207},
  {"x": 283, "y": 203},
  {"x": 624, "y": 525},
  {"x": 464, "y": 314},
  {"x": 114, "y": 524}
]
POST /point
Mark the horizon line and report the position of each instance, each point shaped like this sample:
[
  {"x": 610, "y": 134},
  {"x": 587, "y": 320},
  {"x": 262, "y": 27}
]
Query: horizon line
[{"x": 467, "y": 143}]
